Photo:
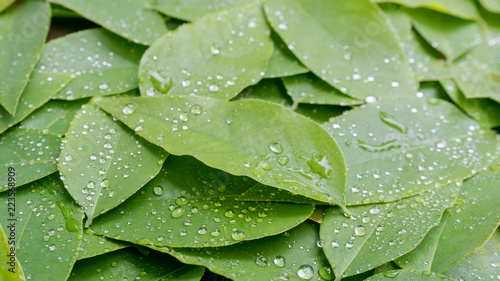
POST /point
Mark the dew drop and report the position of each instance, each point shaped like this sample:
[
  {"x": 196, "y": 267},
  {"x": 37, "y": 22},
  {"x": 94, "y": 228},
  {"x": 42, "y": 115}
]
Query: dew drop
[
  {"x": 128, "y": 109},
  {"x": 196, "y": 109},
  {"x": 360, "y": 231},
  {"x": 276, "y": 147},
  {"x": 261, "y": 261},
  {"x": 280, "y": 261},
  {"x": 158, "y": 190},
  {"x": 238, "y": 235},
  {"x": 305, "y": 272},
  {"x": 326, "y": 273},
  {"x": 178, "y": 212}
]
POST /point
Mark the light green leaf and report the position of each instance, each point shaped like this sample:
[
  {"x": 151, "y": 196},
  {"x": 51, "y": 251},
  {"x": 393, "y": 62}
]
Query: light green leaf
[
  {"x": 293, "y": 255},
  {"x": 283, "y": 62},
  {"x": 32, "y": 153},
  {"x": 10, "y": 267},
  {"x": 483, "y": 264},
  {"x": 464, "y": 229},
  {"x": 4, "y": 4},
  {"x": 102, "y": 163},
  {"x": 484, "y": 110},
  {"x": 252, "y": 138},
  {"x": 129, "y": 264},
  {"x": 40, "y": 88},
  {"x": 379, "y": 233},
  {"x": 23, "y": 29},
  {"x": 94, "y": 245},
  {"x": 192, "y": 10},
  {"x": 358, "y": 55},
  {"x": 408, "y": 275},
  {"x": 307, "y": 88},
  {"x": 230, "y": 51},
  {"x": 450, "y": 35},
  {"x": 129, "y": 19},
  {"x": 101, "y": 63},
  {"x": 460, "y": 8},
  {"x": 48, "y": 229},
  {"x": 491, "y": 5},
  {"x": 191, "y": 205},
  {"x": 55, "y": 116},
  {"x": 394, "y": 149},
  {"x": 399, "y": 20}
]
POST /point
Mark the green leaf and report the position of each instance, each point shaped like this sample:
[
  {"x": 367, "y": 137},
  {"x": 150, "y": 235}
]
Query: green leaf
[
  {"x": 94, "y": 245},
  {"x": 491, "y": 5},
  {"x": 379, "y": 233},
  {"x": 307, "y": 88},
  {"x": 102, "y": 163},
  {"x": 48, "y": 229},
  {"x": 40, "y": 88},
  {"x": 460, "y": 8},
  {"x": 32, "y": 153},
  {"x": 230, "y": 51},
  {"x": 283, "y": 63},
  {"x": 54, "y": 116},
  {"x": 252, "y": 138},
  {"x": 387, "y": 267},
  {"x": 101, "y": 63},
  {"x": 394, "y": 149},
  {"x": 408, "y": 275},
  {"x": 464, "y": 229},
  {"x": 260, "y": 192},
  {"x": 129, "y": 19},
  {"x": 450, "y": 35},
  {"x": 192, "y": 10},
  {"x": 4, "y": 4},
  {"x": 399, "y": 20},
  {"x": 484, "y": 110},
  {"x": 191, "y": 205},
  {"x": 23, "y": 29},
  {"x": 293, "y": 255},
  {"x": 10, "y": 266},
  {"x": 129, "y": 264},
  {"x": 483, "y": 264},
  {"x": 358, "y": 55}
]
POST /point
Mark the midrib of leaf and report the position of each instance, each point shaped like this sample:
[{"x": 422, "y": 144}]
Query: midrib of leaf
[
  {"x": 339, "y": 276},
  {"x": 91, "y": 215},
  {"x": 442, "y": 225}
]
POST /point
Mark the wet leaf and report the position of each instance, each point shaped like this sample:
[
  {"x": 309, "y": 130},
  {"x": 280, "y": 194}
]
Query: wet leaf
[
  {"x": 359, "y": 55},
  {"x": 48, "y": 229},
  {"x": 399, "y": 20},
  {"x": 101, "y": 63},
  {"x": 483, "y": 264},
  {"x": 307, "y": 88},
  {"x": 250, "y": 138},
  {"x": 476, "y": 215},
  {"x": 293, "y": 255},
  {"x": 23, "y": 28},
  {"x": 10, "y": 268},
  {"x": 260, "y": 192},
  {"x": 192, "y": 10},
  {"x": 231, "y": 50},
  {"x": 129, "y": 19},
  {"x": 408, "y": 275},
  {"x": 450, "y": 35},
  {"x": 31, "y": 152},
  {"x": 129, "y": 264},
  {"x": 395, "y": 149},
  {"x": 283, "y": 62},
  {"x": 196, "y": 207},
  {"x": 94, "y": 245},
  {"x": 379, "y": 233},
  {"x": 102, "y": 163},
  {"x": 40, "y": 88},
  {"x": 460, "y": 8}
]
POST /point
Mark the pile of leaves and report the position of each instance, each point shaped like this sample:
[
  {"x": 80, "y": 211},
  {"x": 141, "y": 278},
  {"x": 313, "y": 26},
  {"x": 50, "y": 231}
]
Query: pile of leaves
[{"x": 250, "y": 140}]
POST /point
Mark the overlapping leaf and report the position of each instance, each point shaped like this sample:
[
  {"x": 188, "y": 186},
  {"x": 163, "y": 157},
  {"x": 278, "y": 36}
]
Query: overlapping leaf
[
  {"x": 196, "y": 207},
  {"x": 102, "y": 163},
  {"x": 48, "y": 229},
  {"x": 192, "y": 10},
  {"x": 94, "y": 245},
  {"x": 395, "y": 149},
  {"x": 229, "y": 51},
  {"x": 23, "y": 28},
  {"x": 283, "y": 62},
  {"x": 459, "y": 8},
  {"x": 408, "y": 275},
  {"x": 253, "y": 138}
]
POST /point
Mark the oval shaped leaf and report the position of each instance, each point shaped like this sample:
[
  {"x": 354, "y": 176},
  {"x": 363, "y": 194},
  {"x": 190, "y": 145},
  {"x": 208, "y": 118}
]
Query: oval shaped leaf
[
  {"x": 48, "y": 229},
  {"x": 395, "y": 149},
  {"x": 102, "y": 163},
  {"x": 129, "y": 19},
  {"x": 359, "y": 55},
  {"x": 379, "y": 233},
  {"x": 251, "y": 138},
  {"x": 191, "y": 205},
  {"x": 101, "y": 63},
  {"x": 232, "y": 49},
  {"x": 31, "y": 152},
  {"x": 23, "y": 29}
]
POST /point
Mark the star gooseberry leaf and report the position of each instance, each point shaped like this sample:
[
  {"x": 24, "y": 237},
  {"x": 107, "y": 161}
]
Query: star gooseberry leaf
[
  {"x": 102, "y": 163},
  {"x": 252, "y": 138}
]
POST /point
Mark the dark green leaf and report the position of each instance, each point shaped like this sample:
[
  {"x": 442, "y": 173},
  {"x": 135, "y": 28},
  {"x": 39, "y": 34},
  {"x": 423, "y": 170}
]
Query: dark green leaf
[{"x": 94, "y": 245}]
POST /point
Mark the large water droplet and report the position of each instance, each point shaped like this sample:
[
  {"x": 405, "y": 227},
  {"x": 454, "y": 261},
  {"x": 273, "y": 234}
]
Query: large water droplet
[
  {"x": 196, "y": 109},
  {"x": 305, "y": 272},
  {"x": 238, "y": 235},
  {"x": 326, "y": 273},
  {"x": 158, "y": 190},
  {"x": 360, "y": 230},
  {"x": 280, "y": 261},
  {"x": 261, "y": 261},
  {"x": 178, "y": 212},
  {"x": 276, "y": 147},
  {"x": 128, "y": 109}
]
